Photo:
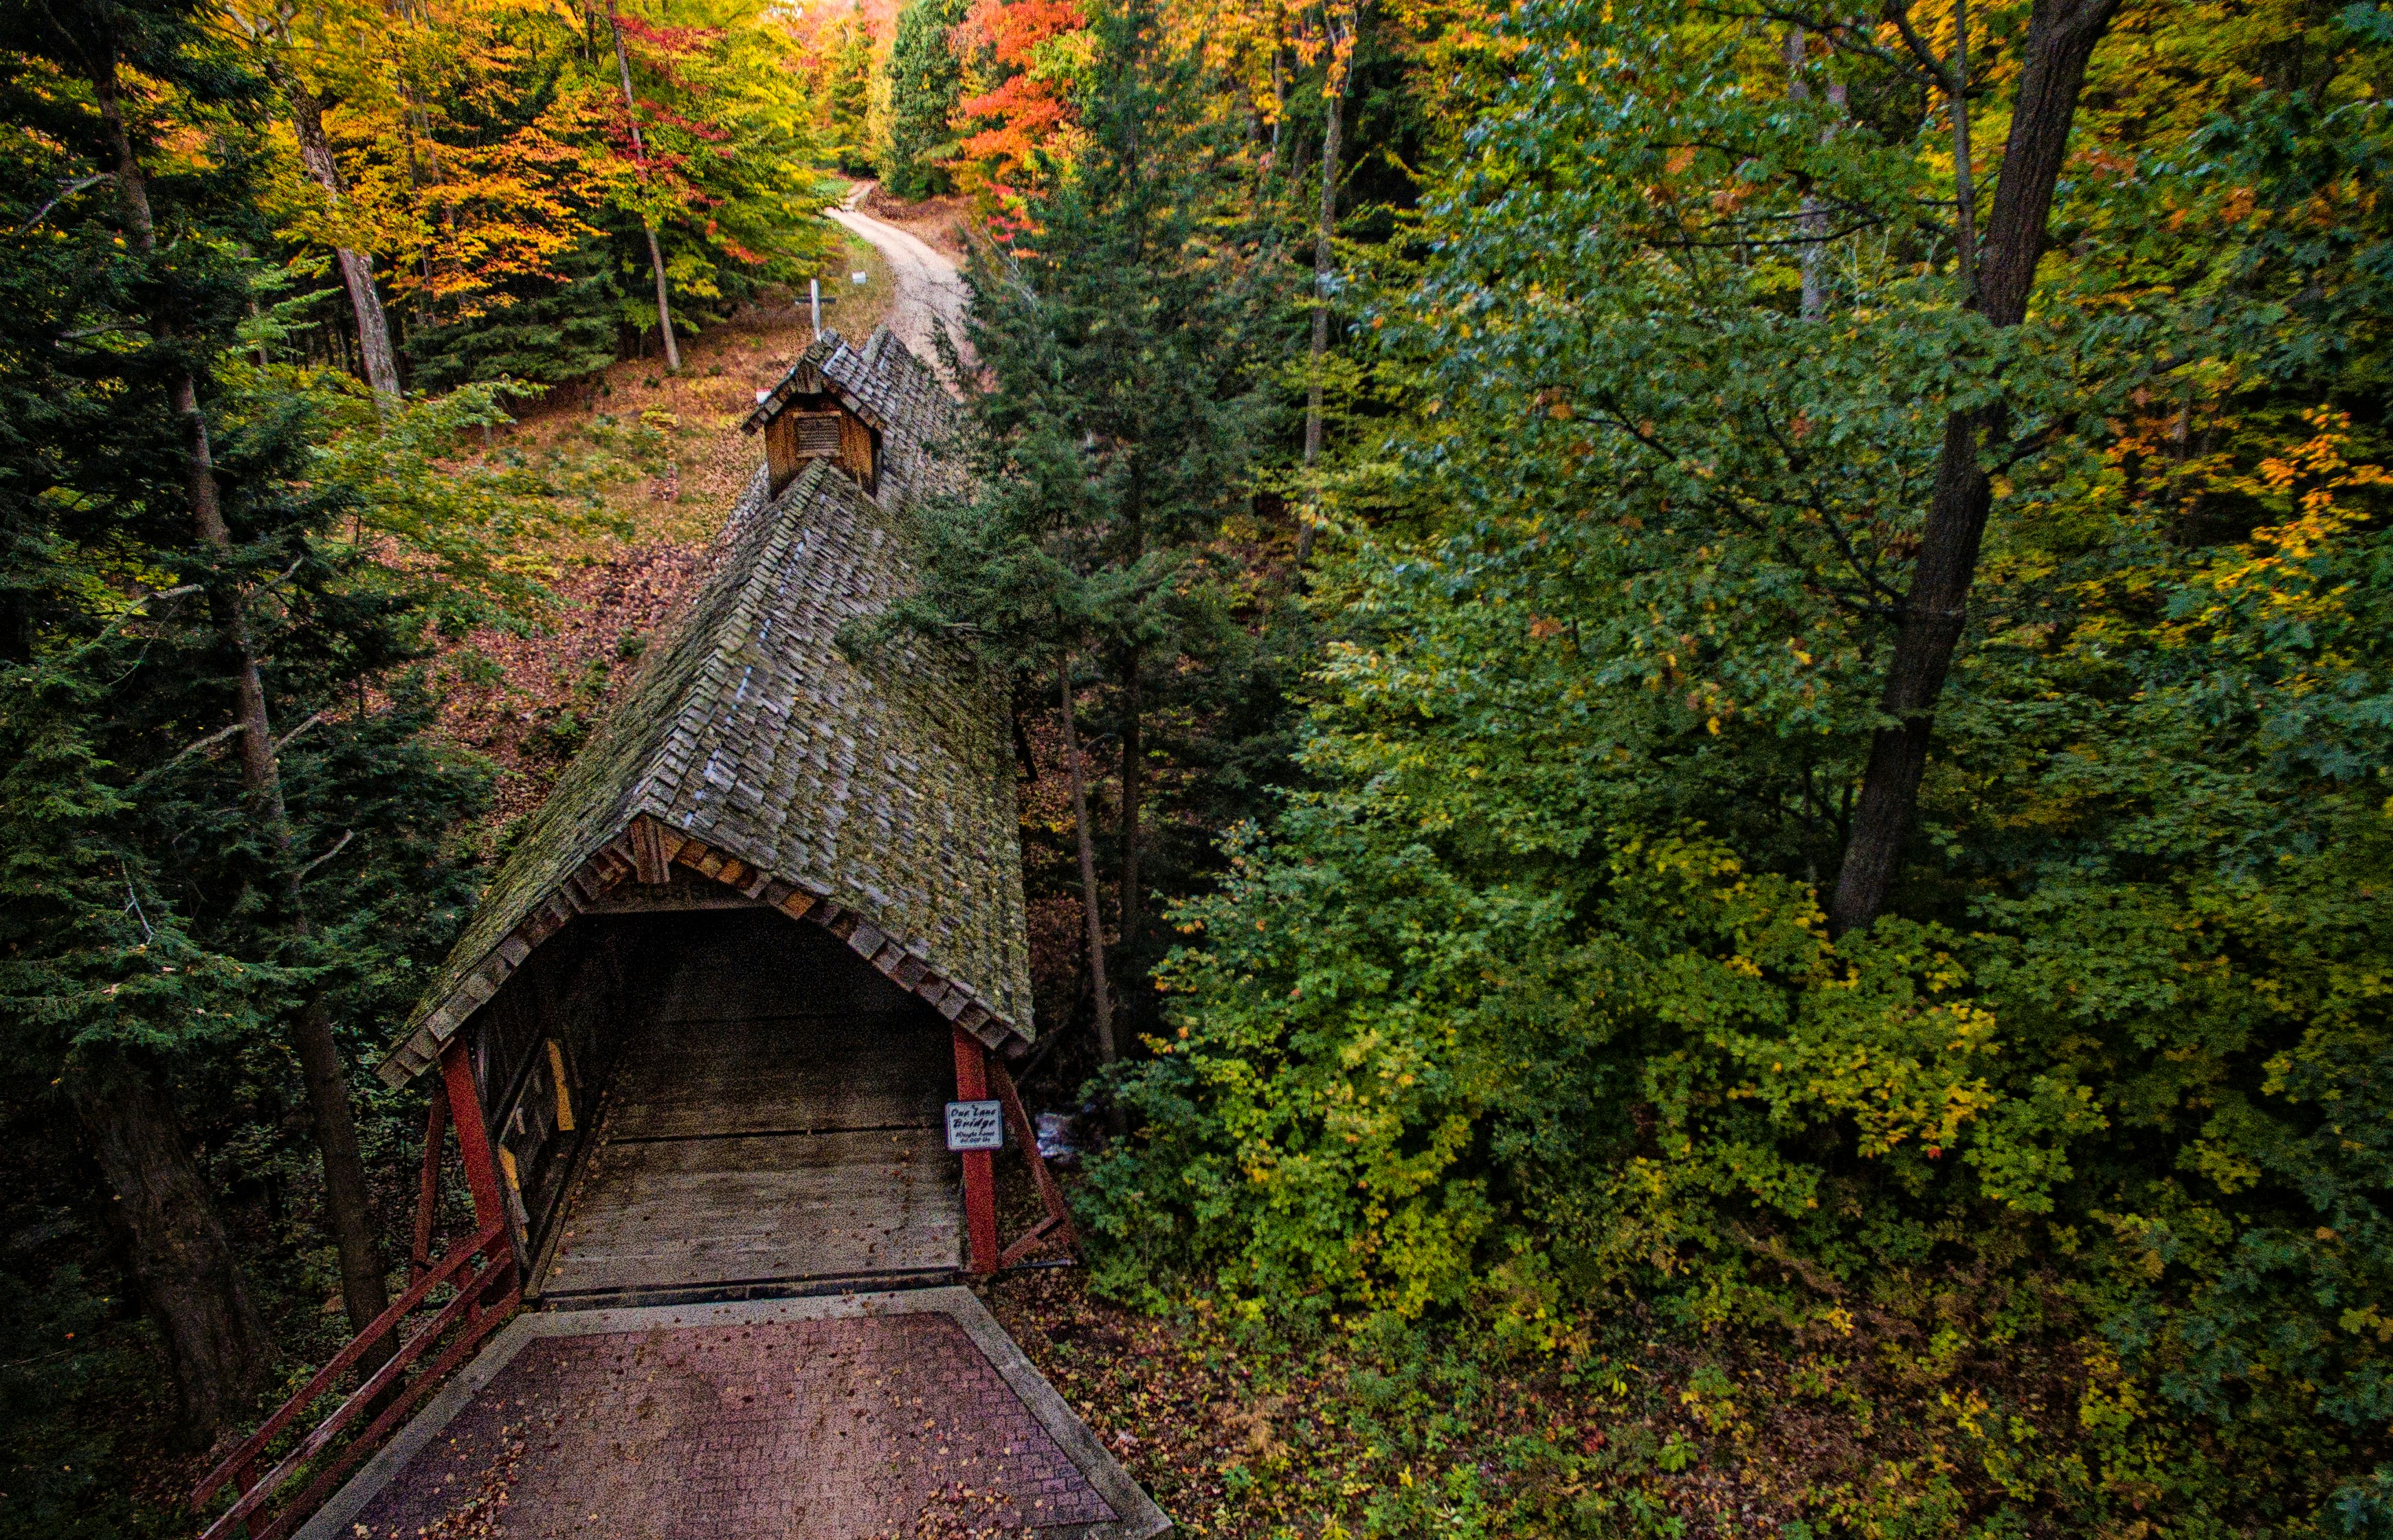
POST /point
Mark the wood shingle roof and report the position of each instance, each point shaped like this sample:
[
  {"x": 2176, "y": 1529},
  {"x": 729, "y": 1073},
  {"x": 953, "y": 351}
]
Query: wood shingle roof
[{"x": 873, "y": 796}]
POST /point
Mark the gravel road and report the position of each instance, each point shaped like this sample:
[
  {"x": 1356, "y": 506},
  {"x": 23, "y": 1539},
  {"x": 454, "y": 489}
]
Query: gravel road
[{"x": 931, "y": 294}]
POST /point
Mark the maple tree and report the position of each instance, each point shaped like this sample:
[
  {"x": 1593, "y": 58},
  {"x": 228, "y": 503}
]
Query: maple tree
[
  {"x": 1031, "y": 58},
  {"x": 488, "y": 153},
  {"x": 842, "y": 51}
]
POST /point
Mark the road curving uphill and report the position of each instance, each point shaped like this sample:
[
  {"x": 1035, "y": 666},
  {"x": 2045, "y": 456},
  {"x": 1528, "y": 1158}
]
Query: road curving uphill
[{"x": 931, "y": 294}]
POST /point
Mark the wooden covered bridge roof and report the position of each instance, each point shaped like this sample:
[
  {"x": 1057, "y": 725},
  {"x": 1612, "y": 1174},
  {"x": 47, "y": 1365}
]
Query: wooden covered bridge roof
[{"x": 873, "y": 797}]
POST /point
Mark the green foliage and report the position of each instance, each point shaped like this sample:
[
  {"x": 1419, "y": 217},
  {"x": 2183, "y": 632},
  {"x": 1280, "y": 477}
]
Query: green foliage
[
  {"x": 925, "y": 83},
  {"x": 1115, "y": 431},
  {"x": 552, "y": 329},
  {"x": 1121, "y": 347},
  {"x": 1527, "y": 1010},
  {"x": 848, "y": 95},
  {"x": 145, "y": 939},
  {"x": 731, "y": 150},
  {"x": 97, "y": 963}
]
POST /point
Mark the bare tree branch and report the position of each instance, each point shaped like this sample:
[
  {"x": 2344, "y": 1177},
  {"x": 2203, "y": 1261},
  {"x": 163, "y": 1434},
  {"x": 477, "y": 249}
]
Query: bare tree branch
[{"x": 339, "y": 845}]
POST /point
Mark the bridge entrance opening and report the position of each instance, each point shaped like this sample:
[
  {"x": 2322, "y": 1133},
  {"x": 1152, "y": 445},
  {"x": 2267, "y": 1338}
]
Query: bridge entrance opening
[{"x": 759, "y": 1113}]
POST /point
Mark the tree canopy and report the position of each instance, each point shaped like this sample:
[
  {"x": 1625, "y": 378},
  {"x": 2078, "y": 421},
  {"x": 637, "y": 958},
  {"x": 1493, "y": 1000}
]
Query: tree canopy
[{"x": 1700, "y": 694}]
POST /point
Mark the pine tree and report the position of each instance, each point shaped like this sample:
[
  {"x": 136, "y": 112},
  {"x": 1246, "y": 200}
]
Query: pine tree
[
  {"x": 847, "y": 94},
  {"x": 925, "y": 83},
  {"x": 101, "y": 457},
  {"x": 226, "y": 825},
  {"x": 1118, "y": 344}
]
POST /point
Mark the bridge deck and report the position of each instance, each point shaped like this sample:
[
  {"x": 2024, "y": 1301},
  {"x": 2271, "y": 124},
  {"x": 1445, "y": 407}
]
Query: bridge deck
[
  {"x": 746, "y": 1147},
  {"x": 794, "y": 1419}
]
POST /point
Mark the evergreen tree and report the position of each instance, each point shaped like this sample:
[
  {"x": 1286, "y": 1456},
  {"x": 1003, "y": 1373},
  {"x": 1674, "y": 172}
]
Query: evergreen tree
[
  {"x": 229, "y": 832},
  {"x": 551, "y": 328},
  {"x": 101, "y": 326},
  {"x": 1112, "y": 439},
  {"x": 847, "y": 94},
  {"x": 925, "y": 83}
]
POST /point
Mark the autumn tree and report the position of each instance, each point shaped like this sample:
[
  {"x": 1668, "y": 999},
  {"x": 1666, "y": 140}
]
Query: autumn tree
[
  {"x": 505, "y": 169},
  {"x": 273, "y": 47},
  {"x": 1535, "y": 1007},
  {"x": 1032, "y": 59}
]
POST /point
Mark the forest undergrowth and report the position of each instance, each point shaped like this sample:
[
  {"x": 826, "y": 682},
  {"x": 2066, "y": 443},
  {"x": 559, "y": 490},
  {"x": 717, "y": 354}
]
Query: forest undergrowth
[{"x": 1606, "y": 1423}]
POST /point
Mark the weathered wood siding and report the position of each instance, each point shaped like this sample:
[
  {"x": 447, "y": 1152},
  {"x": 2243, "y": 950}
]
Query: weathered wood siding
[
  {"x": 568, "y": 1009},
  {"x": 818, "y": 427}
]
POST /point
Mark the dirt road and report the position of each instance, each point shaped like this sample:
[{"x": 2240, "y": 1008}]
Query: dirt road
[{"x": 931, "y": 294}]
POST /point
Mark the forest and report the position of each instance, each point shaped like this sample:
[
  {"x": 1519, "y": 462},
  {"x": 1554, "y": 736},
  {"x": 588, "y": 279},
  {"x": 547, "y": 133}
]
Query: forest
[{"x": 1702, "y": 698}]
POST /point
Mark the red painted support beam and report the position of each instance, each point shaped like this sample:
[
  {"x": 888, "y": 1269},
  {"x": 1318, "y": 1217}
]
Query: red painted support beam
[
  {"x": 473, "y": 1136},
  {"x": 1059, "y": 1214},
  {"x": 980, "y": 1165}
]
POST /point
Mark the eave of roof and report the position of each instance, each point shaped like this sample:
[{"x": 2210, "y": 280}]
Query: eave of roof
[{"x": 838, "y": 367}]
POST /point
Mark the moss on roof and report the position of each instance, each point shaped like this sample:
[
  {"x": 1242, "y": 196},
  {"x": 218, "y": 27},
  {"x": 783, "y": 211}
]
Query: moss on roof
[{"x": 884, "y": 786}]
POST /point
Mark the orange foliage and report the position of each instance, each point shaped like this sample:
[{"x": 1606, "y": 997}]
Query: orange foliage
[{"x": 1027, "y": 109}]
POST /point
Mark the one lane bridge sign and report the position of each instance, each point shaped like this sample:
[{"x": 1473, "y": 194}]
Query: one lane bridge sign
[{"x": 976, "y": 1125}]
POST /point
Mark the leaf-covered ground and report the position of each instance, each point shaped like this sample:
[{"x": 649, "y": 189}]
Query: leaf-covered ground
[
  {"x": 936, "y": 222},
  {"x": 1600, "y": 1426}
]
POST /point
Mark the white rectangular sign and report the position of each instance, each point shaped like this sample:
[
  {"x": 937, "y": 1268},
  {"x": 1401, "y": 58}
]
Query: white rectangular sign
[{"x": 976, "y": 1125}]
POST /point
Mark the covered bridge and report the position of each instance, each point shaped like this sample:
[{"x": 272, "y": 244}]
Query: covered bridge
[
  {"x": 716, "y": 1048},
  {"x": 773, "y": 912}
]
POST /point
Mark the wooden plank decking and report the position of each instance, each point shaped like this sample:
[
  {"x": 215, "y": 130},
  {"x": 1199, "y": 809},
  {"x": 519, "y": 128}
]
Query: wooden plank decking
[{"x": 747, "y": 1145}]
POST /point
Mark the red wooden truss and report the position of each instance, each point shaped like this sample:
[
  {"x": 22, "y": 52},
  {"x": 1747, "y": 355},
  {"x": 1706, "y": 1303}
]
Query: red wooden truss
[
  {"x": 975, "y": 1072},
  {"x": 484, "y": 1287}
]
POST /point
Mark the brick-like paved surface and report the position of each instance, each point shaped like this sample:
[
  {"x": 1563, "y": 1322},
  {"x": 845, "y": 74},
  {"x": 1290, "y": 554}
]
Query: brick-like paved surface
[{"x": 823, "y": 1430}]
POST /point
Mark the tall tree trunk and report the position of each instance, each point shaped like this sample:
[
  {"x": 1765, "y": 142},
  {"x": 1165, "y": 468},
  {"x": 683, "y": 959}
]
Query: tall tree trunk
[
  {"x": 347, "y": 1196},
  {"x": 2060, "y": 38},
  {"x": 1133, "y": 752},
  {"x": 1279, "y": 105},
  {"x": 1324, "y": 263},
  {"x": 1091, "y": 902},
  {"x": 356, "y": 268},
  {"x": 656, "y": 250},
  {"x": 1814, "y": 219},
  {"x": 183, "y": 1263},
  {"x": 1964, "y": 181}
]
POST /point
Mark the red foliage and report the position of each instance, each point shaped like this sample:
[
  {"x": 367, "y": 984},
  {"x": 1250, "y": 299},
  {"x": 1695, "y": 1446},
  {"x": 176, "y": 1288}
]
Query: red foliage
[
  {"x": 1022, "y": 114},
  {"x": 659, "y": 112},
  {"x": 670, "y": 42},
  {"x": 1013, "y": 28}
]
